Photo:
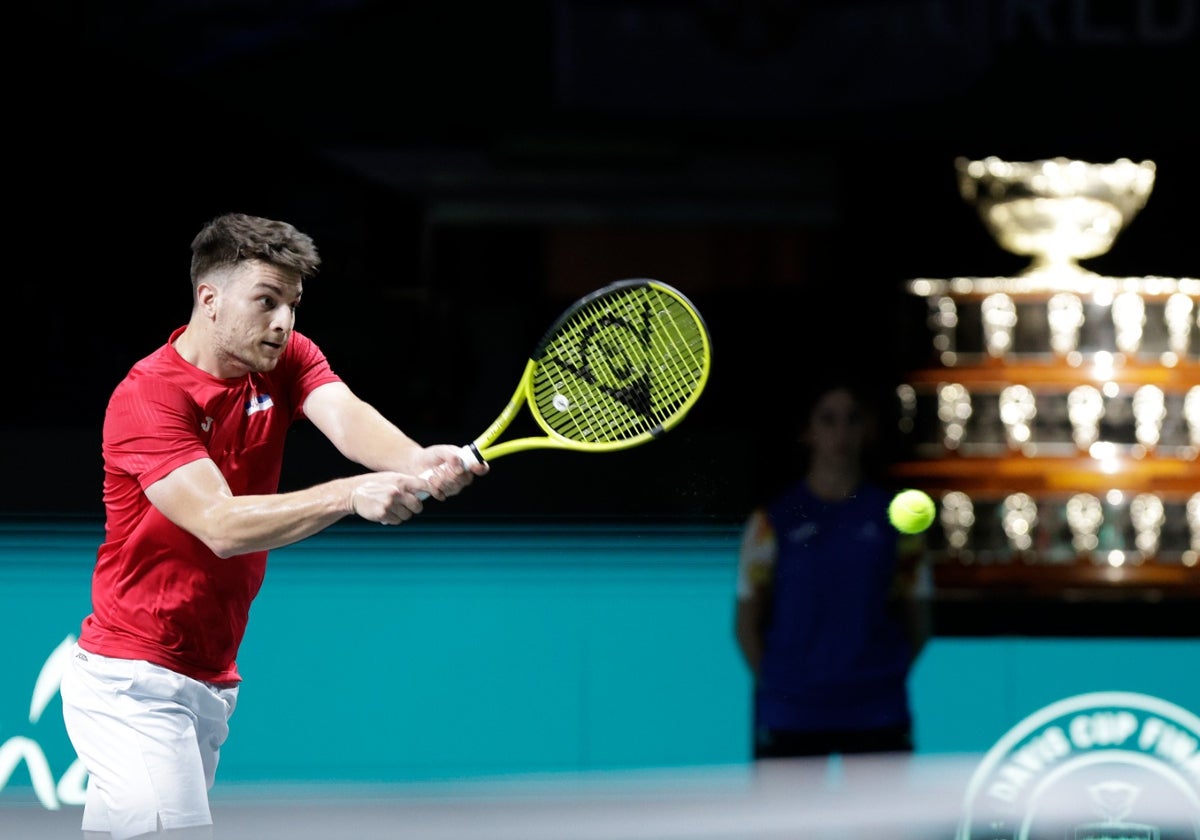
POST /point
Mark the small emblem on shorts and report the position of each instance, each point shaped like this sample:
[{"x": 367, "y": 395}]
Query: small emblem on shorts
[{"x": 81, "y": 655}]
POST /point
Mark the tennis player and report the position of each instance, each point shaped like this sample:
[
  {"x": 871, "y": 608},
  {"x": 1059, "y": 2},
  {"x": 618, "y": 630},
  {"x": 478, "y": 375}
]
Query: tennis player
[{"x": 193, "y": 444}]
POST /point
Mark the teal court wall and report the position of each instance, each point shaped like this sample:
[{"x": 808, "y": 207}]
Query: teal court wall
[{"x": 443, "y": 650}]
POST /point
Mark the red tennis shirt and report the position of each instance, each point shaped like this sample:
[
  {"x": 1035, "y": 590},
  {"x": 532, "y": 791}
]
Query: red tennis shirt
[{"x": 158, "y": 593}]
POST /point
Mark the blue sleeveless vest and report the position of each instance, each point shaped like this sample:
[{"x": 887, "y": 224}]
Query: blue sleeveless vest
[{"x": 837, "y": 655}]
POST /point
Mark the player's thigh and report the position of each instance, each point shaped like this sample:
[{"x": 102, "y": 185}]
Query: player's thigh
[
  {"x": 149, "y": 739},
  {"x": 180, "y": 726}
]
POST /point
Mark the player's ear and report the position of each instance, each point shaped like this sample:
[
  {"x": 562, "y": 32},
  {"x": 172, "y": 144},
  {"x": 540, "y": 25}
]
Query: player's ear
[{"x": 206, "y": 297}]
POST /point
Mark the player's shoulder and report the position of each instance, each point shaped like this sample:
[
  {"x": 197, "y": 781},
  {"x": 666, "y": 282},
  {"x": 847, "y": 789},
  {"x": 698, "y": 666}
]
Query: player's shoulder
[{"x": 157, "y": 377}]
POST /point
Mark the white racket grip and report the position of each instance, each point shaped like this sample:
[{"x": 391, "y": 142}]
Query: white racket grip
[{"x": 466, "y": 454}]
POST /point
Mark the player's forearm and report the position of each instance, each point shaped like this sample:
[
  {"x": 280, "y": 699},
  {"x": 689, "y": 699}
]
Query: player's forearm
[{"x": 243, "y": 524}]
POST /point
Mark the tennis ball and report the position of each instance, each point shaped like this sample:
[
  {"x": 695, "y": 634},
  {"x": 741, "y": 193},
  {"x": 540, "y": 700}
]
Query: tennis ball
[{"x": 911, "y": 511}]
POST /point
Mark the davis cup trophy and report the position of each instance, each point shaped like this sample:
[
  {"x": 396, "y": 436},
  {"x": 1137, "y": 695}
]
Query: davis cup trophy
[
  {"x": 1056, "y": 211},
  {"x": 1057, "y": 421}
]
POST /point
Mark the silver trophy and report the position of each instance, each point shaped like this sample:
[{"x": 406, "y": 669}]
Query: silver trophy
[
  {"x": 999, "y": 321},
  {"x": 1019, "y": 521},
  {"x": 1085, "y": 407},
  {"x": 954, "y": 410},
  {"x": 1066, "y": 402},
  {"x": 1064, "y": 313},
  {"x": 1147, "y": 514},
  {"x": 1017, "y": 411},
  {"x": 1129, "y": 319},
  {"x": 1177, "y": 313},
  {"x": 958, "y": 517},
  {"x": 1149, "y": 411},
  {"x": 1191, "y": 415},
  {"x": 1057, "y": 211},
  {"x": 1085, "y": 515}
]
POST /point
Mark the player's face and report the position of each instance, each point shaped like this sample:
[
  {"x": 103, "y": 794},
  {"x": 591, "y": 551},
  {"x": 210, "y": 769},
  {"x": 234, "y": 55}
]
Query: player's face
[
  {"x": 838, "y": 427},
  {"x": 256, "y": 311}
]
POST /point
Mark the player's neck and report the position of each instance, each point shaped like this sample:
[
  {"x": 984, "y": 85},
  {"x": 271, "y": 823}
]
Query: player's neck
[{"x": 192, "y": 347}]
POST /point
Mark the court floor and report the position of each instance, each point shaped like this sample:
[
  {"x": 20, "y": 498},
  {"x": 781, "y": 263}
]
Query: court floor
[
  {"x": 901, "y": 798},
  {"x": 842, "y": 799}
]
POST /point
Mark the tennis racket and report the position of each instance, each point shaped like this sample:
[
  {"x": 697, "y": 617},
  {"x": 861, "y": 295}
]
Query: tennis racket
[{"x": 620, "y": 367}]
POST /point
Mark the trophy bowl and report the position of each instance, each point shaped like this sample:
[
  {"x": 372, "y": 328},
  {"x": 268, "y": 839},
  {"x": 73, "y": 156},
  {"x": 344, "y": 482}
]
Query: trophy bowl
[{"x": 1056, "y": 211}]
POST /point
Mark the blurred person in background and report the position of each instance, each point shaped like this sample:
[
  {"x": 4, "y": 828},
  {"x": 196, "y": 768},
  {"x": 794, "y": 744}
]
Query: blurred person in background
[{"x": 828, "y": 616}]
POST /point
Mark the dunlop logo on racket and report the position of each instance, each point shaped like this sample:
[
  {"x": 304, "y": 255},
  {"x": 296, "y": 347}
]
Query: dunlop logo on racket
[{"x": 618, "y": 368}]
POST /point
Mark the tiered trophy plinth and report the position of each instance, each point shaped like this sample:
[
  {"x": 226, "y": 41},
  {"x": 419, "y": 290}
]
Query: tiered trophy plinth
[{"x": 1057, "y": 423}]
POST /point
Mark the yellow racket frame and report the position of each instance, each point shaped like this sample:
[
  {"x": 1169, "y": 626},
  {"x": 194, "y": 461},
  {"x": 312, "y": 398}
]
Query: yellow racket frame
[{"x": 621, "y": 367}]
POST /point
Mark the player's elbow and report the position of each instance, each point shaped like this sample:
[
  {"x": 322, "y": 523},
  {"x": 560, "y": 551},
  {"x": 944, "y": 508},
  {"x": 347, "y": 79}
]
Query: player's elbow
[
  {"x": 220, "y": 544},
  {"x": 235, "y": 525},
  {"x": 224, "y": 550},
  {"x": 218, "y": 537}
]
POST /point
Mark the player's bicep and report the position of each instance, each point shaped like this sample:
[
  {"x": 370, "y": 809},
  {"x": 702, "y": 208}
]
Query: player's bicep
[
  {"x": 355, "y": 427},
  {"x": 189, "y": 496},
  {"x": 326, "y": 408}
]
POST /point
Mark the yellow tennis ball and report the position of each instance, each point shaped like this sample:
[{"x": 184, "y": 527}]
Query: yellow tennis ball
[{"x": 911, "y": 511}]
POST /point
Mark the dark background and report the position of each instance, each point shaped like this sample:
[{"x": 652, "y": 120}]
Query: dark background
[{"x": 468, "y": 169}]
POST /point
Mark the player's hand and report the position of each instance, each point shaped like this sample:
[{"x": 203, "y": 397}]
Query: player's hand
[
  {"x": 389, "y": 498},
  {"x": 443, "y": 465}
]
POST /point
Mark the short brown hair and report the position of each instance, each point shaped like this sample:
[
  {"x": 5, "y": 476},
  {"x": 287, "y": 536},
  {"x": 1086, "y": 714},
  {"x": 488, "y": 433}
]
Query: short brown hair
[{"x": 235, "y": 237}]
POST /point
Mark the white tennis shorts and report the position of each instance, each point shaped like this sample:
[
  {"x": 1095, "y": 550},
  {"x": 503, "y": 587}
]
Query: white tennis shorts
[{"x": 150, "y": 739}]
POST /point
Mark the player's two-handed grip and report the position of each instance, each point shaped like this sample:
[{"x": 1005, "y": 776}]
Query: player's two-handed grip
[
  {"x": 389, "y": 498},
  {"x": 467, "y": 456}
]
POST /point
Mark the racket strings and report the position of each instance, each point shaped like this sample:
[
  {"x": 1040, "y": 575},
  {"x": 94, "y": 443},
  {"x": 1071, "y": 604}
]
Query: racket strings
[
  {"x": 680, "y": 352},
  {"x": 623, "y": 366},
  {"x": 575, "y": 404}
]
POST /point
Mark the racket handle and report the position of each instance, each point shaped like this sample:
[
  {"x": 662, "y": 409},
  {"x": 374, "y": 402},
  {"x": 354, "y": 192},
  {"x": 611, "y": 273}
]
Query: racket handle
[{"x": 469, "y": 456}]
